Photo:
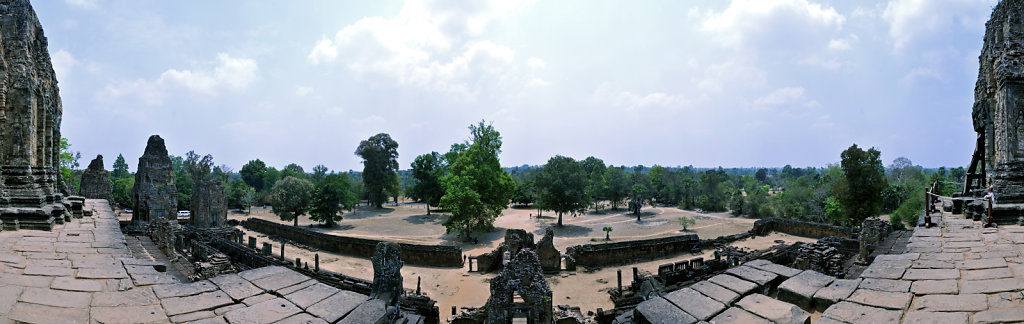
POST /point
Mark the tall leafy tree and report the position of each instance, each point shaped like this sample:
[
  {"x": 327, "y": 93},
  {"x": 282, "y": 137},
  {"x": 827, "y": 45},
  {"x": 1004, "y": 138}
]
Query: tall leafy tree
[
  {"x": 122, "y": 190},
  {"x": 596, "y": 186},
  {"x": 290, "y": 198},
  {"x": 252, "y": 173},
  {"x": 428, "y": 169},
  {"x": 860, "y": 189},
  {"x": 319, "y": 173},
  {"x": 294, "y": 170},
  {"x": 477, "y": 189},
  {"x": 69, "y": 171},
  {"x": 120, "y": 170},
  {"x": 330, "y": 197},
  {"x": 617, "y": 185},
  {"x": 562, "y": 185},
  {"x": 380, "y": 164}
]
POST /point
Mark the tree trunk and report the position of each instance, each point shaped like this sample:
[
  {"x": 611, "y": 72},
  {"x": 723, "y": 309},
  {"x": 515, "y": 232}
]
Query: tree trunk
[
  {"x": 296, "y": 221},
  {"x": 559, "y": 219},
  {"x": 428, "y": 209},
  {"x": 606, "y": 236}
]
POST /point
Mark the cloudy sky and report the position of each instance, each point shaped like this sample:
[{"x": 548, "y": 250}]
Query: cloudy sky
[{"x": 703, "y": 83}]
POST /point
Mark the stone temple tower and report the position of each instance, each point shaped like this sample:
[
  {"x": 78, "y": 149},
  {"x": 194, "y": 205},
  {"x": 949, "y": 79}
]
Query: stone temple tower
[{"x": 30, "y": 116}]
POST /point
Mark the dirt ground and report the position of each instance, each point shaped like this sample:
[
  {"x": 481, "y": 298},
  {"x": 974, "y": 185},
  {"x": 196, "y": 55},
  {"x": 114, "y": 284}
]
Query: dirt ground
[{"x": 458, "y": 287}]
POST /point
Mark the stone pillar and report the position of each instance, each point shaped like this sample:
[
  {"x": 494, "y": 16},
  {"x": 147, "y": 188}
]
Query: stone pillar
[
  {"x": 316, "y": 262},
  {"x": 418, "y": 285},
  {"x": 636, "y": 274},
  {"x": 252, "y": 242},
  {"x": 619, "y": 287},
  {"x": 298, "y": 263},
  {"x": 266, "y": 248},
  {"x": 282, "y": 251}
]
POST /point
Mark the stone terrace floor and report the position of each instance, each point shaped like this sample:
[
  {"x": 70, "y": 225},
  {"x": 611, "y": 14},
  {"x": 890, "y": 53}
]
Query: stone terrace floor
[
  {"x": 959, "y": 273},
  {"x": 86, "y": 271}
]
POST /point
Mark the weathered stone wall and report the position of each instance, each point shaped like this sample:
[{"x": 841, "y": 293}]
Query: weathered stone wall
[
  {"x": 799, "y": 228},
  {"x": 631, "y": 251},
  {"x": 30, "y": 117},
  {"x": 998, "y": 109},
  {"x": 429, "y": 255},
  {"x": 96, "y": 181},
  {"x": 209, "y": 206},
  {"x": 154, "y": 195}
]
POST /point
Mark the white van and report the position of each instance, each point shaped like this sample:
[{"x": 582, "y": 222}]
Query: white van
[{"x": 184, "y": 214}]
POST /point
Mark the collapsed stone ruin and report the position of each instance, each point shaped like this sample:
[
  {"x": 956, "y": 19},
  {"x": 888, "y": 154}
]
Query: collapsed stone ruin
[
  {"x": 96, "y": 181},
  {"x": 209, "y": 205},
  {"x": 154, "y": 195},
  {"x": 522, "y": 276},
  {"x": 516, "y": 240},
  {"x": 30, "y": 117},
  {"x": 998, "y": 114}
]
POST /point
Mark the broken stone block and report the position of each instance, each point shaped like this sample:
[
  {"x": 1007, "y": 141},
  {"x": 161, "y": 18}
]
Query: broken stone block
[
  {"x": 800, "y": 289},
  {"x": 694, "y": 303},
  {"x": 774, "y": 310},
  {"x": 659, "y": 310},
  {"x": 833, "y": 293}
]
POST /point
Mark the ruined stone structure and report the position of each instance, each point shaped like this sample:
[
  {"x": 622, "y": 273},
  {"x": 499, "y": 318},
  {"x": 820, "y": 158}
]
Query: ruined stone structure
[
  {"x": 522, "y": 276},
  {"x": 998, "y": 110},
  {"x": 872, "y": 231},
  {"x": 96, "y": 181},
  {"x": 550, "y": 258},
  {"x": 209, "y": 204},
  {"x": 154, "y": 194},
  {"x": 387, "y": 273},
  {"x": 30, "y": 116}
]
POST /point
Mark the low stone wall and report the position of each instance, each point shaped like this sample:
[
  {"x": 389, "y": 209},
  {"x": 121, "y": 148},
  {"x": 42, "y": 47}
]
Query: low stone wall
[
  {"x": 799, "y": 228},
  {"x": 428, "y": 255},
  {"x": 631, "y": 251}
]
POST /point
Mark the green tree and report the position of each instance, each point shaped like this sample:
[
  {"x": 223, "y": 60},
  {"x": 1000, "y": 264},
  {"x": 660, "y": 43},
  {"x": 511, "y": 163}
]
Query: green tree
[
  {"x": 596, "y": 186},
  {"x": 120, "y": 170},
  {"x": 737, "y": 203},
  {"x": 290, "y": 198},
  {"x": 319, "y": 173},
  {"x": 122, "y": 191},
  {"x": 617, "y": 185},
  {"x": 199, "y": 167},
  {"x": 860, "y": 189},
  {"x": 607, "y": 233},
  {"x": 761, "y": 175},
  {"x": 562, "y": 184},
  {"x": 182, "y": 181},
  {"x": 686, "y": 222},
  {"x": 252, "y": 173},
  {"x": 428, "y": 169},
  {"x": 380, "y": 154},
  {"x": 477, "y": 189},
  {"x": 330, "y": 196},
  {"x": 270, "y": 177},
  {"x": 294, "y": 170},
  {"x": 69, "y": 165}
]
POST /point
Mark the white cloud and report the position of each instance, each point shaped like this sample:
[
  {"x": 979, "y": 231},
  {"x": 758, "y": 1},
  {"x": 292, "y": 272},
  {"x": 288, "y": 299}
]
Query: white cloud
[
  {"x": 921, "y": 74},
  {"x": 302, "y": 91},
  {"x": 828, "y": 64},
  {"x": 536, "y": 63},
  {"x": 774, "y": 25},
  {"x": 231, "y": 73},
  {"x": 839, "y": 45},
  {"x": 633, "y": 101},
  {"x": 62, "y": 62},
  {"x": 719, "y": 77},
  {"x": 785, "y": 99},
  {"x": 537, "y": 83},
  {"x": 89, "y": 4},
  {"x": 428, "y": 44},
  {"x": 930, "y": 22}
]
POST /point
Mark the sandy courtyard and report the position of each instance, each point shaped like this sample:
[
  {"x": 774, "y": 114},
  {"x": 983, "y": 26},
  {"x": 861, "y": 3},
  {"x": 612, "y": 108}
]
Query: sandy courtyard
[{"x": 458, "y": 287}]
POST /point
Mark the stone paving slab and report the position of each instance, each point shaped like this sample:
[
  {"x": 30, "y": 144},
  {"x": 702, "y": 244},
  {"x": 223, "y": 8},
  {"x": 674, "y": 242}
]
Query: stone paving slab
[
  {"x": 736, "y": 315},
  {"x": 883, "y": 299},
  {"x": 935, "y": 318},
  {"x": 772, "y": 267},
  {"x": 981, "y": 264},
  {"x": 931, "y": 274},
  {"x": 951, "y": 303},
  {"x": 56, "y": 298},
  {"x": 848, "y": 312},
  {"x": 371, "y": 311},
  {"x": 839, "y": 289},
  {"x": 339, "y": 304},
  {"x": 236, "y": 286},
  {"x": 991, "y": 285},
  {"x": 304, "y": 318},
  {"x": 188, "y": 304},
  {"x": 128, "y": 314},
  {"x": 184, "y": 289},
  {"x": 67, "y": 283},
  {"x": 929, "y": 287},
  {"x": 995, "y": 273},
  {"x": 735, "y": 284},
  {"x": 800, "y": 289},
  {"x": 717, "y": 292},
  {"x": 886, "y": 285},
  {"x": 656, "y": 311},
  {"x": 312, "y": 294},
  {"x": 999, "y": 316},
  {"x": 135, "y": 297},
  {"x": 760, "y": 277},
  {"x": 266, "y": 312},
  {"x": 694, "y": 303},
  {"x": 773, "y": 309},
  {"x": 8, "y": 297},
  {"x": 36, "y": 313}
]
